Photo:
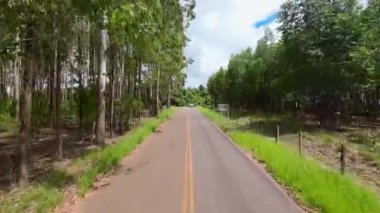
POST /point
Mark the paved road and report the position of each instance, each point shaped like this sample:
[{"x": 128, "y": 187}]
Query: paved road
[{"x": 188, "y": 166}]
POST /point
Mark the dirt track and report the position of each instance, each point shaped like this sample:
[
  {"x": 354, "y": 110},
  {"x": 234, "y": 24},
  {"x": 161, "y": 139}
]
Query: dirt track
[{"x": 189, "y": 166}]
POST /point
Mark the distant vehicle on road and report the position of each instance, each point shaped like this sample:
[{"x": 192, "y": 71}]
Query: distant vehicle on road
[{"x": 191, "y": 105}]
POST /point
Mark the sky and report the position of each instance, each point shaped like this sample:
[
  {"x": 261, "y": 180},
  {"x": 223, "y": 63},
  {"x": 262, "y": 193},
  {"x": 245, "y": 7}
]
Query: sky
[{"x": 222, "y": 28}]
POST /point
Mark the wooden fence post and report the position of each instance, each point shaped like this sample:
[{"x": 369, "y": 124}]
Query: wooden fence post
[
  {"x": 300, "y": 142},
  {"x": 342, "y": 158},
  {"x": 11, "y": 172},
  {"x": 93, "y": 132},
  {"x": 277, "y": 133}
]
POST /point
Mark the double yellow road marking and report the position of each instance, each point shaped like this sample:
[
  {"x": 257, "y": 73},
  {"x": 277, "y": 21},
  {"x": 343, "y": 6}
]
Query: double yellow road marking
[{"x": 188, "y": 186}]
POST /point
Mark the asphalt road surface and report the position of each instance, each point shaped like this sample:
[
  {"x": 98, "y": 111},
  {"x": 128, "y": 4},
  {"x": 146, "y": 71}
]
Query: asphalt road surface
[{"x": 188, "y": 166}]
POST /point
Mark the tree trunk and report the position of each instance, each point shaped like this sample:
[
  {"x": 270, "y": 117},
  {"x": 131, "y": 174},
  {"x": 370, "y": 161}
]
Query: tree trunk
[
  {"x": 136, "y": 79},
  {"x": 81, "y": 95},
  {"x": 100, "y": 133},
  {"x": 51, "y": 93},
  {"x": 121, "y": 74},
  {"x": 151, "y": 98},
  {"x": 158, "y": 93},
  {"x": 129, "y": 76},
  {"x": 65, "y": 83},
  {"x": 169, "y": 102},
  {"x": 123, "y": 87},
  {"x": 16, "y": 70},
  {"x": 26, "y": 108},
  {"x": 92, "y": 54},
  {"x": 58, "y": 98},
  {"x": 139, "y": 87},
  {"x": 2, "y": 82},
  {"x": 112, "y": 87}
]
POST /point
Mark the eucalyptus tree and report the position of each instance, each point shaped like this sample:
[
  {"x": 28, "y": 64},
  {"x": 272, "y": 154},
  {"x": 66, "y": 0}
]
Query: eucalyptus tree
[
  {"x": 319, "y": 37},
  {"x": 64, "y": 49},
  {"x": 367, "y": 54},
  {"x": 327, "y": 57},
  {"x": 25, "y": 24},
  {"x": 217, "y": 86},
  {"x": 13, "y": 26}
]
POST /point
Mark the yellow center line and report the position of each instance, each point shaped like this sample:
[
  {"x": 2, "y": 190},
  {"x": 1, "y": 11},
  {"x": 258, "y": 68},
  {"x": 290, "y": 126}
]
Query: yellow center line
[{"x": 188, "y": 190}]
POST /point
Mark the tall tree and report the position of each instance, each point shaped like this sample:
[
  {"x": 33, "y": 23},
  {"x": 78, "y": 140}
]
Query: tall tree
[{"x": 101, "y": 121}]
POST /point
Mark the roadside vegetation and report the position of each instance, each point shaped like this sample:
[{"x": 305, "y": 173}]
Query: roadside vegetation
[
  {"x": 75, "y": 73},
  {"x": 362, "y": 153},
  {"x": 74, "y": 76},
  {"x": 82, "y": 173},
  {"x": 195, "y": 96},
  {"x": 319, "y": 79},
  {"x": 315, "y": 185},
  {"x": 324, "y": 66}
]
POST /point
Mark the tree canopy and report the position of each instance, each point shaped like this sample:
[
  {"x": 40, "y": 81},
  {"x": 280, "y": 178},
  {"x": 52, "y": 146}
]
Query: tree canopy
[
  {"x": 89, "y": 60},
  {"x": 327, "y": 59}
]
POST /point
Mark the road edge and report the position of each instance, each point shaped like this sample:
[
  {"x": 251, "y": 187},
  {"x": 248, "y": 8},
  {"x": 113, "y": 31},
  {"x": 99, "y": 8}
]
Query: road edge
[
  {"x": 72, "y": 198},
  {"x": 265, "y": 172}
]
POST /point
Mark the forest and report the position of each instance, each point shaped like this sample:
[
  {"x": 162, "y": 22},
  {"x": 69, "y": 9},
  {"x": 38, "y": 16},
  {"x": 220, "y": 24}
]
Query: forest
[
  {"x": 80, "y": 69},
  {"x": 194, "y": 96},
  {"x": 312, "y": 87},
  {"x": 326, "y": 63}
]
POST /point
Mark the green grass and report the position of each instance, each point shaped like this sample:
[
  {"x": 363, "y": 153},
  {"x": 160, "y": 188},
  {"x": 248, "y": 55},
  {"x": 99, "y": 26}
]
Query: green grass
[
  {"x": 327, "y": 138},
  {"x": 7, "y": 123},
  {"x": 315, "y": 185},
  {"x": 83, "y": 172},
  {"x": 39, "y": 197}
]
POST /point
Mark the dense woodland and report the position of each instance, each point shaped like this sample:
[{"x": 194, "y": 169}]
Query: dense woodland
[
  {"x": 327, "y": 61},
  {"x": 194, "y": 96},
  {"x": 95, "y": 63}
]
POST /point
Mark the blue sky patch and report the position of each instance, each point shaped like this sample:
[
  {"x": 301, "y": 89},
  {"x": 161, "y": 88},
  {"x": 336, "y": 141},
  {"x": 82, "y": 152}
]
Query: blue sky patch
[{"x": 265, "y": 22}]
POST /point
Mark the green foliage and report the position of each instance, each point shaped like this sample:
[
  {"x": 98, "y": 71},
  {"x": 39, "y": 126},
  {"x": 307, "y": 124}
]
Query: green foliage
[
  {"x": 90, "y": 100},
  {"x": 216, "y": 86},
  {"x": 148, "y": 33},
  {"x": 7, "y": 121},
  {"x": 60, "y": 40},
  {"x": 70, "y": 107},
  {"x": 333, "y": 193},
  {"x": 327, "y": 138},
  {"x": 40, "y": 109},
  {"x": 364, "y": 138},
  {"x": 7, "y": 107},
  {"x": 127, "y": 106},
  {"x": 248, "y": 77},
  {"x": 196, "y": 96},
  {"x": 327, "y": 57}
]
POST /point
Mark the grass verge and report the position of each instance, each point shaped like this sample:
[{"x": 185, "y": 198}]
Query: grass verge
[
  {"x": 43, "y": 197},
  {"x": 315, "y": 185}
]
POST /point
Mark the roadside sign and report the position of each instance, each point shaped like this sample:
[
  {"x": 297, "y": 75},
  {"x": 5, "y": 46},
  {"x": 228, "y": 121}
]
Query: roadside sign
[{"x": 223, "y": 107}]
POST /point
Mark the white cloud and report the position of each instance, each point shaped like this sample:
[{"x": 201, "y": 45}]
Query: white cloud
[
  {"x": 212, "y": 21},
  {"x": 222, "y": 28}
]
